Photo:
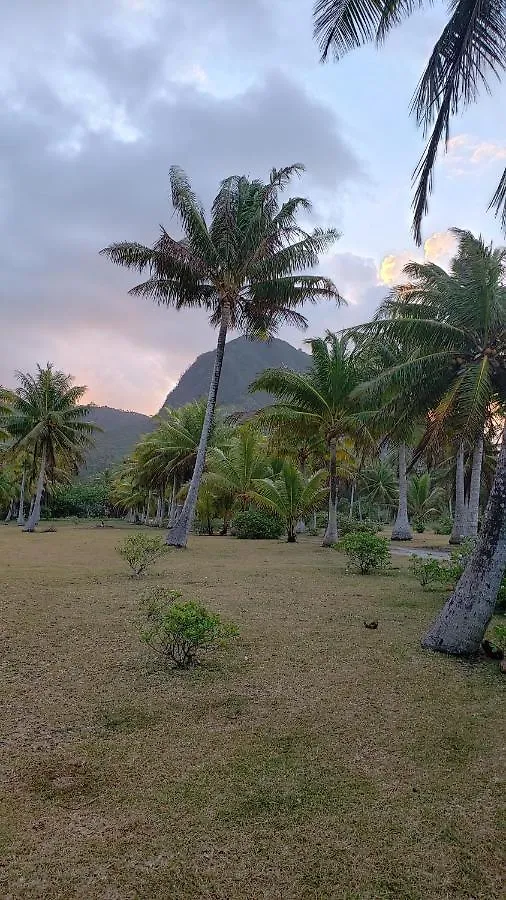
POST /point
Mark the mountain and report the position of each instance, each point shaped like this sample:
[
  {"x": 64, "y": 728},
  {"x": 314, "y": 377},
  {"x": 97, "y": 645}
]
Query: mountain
[
  {"x": 244, "y": 360},
  {"x": 121, "y": 430}
]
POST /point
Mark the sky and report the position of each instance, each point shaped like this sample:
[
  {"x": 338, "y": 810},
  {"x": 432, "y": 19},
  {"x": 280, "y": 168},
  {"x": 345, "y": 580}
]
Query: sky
[{"x": 99, "y": 100}]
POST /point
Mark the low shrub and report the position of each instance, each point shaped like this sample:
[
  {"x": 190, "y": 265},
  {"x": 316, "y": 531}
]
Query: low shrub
[
  {"x": 428, "y": 571},
  {"x": 141, "y": 550},
  {"x": 419, "y": 525},
  {"x": 444, "y": 525},
  {"x": 346, "y": 526},
  {"x": 366, "y": 551},
  {"x": 499, "y": 632},
  {"x": 181, "y": 632},
  {"x": 459, "y": 557},
  {"x": 253, "y": 524}
]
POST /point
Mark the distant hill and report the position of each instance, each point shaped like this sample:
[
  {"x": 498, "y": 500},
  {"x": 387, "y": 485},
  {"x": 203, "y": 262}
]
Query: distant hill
[
  {"x": 121, "y": 431},
  {"x": 244, "y": 360}
]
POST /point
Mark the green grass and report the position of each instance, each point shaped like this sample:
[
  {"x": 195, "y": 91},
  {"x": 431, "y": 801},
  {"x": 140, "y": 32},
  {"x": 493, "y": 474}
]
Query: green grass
[{"x": 313, "y": 759}]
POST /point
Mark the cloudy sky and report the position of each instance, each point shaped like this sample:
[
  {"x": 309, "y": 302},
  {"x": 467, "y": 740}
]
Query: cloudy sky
[{"x": 99, "y": 99}]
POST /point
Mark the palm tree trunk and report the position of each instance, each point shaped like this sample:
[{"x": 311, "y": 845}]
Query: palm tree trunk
[
  {"x": 473, "y": 508},
  {"x": 462, "y": 622},
  {"x": 178, "y": 534},
  {"x": 352, "y": 499},
  {"x": 402, "y": 529},
  {"x": 34, "y": 517},
  {"x": 9, "y": 513},
  {"x": 330, "y": 536},
  {"x": 21, "y": 510},
  {"x": 173, "y": 505},
  {"x": 300, "y": 527},
  {"x": 291, "y": 531},
  {"x": 459, "y": 518}
]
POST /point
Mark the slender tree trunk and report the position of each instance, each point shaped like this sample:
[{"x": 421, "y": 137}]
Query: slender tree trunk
[
  {"x": 359, "y": 509},
  {"x": 461, "y": 624},
  {"x": 352, "y": 499},
  {"x": 178, "y": 534},
  {"x": 330, "y": 536},
  {"x": 9, "y": 513},
  {"x": 402, "y": 529},
  {"x": 34, "y": 517},
  {"x": 21, "y": 510},
  {"x": 473, "y": 508},
  {"x": 173, "y": 505},
  {"x": 459, "y": 518}
]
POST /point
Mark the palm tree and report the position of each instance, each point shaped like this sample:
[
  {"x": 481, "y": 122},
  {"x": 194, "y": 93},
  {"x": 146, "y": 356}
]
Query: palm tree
[
  {"x": 320, "y": 399},
  {"x": 234, "y": 473},
  {"x": 291, "y": 495},
  {"x": 471, "y": 47},
  {"x": 459, "y": 322},
  {"x": 378, "y": 484},
  {"x": 47, "y": 419},
  {"x": 424, "y": 499},
  {"x": 244, "y": 269}
]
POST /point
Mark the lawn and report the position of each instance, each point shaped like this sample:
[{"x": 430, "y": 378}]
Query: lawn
[{"x": 315, "y": 758}]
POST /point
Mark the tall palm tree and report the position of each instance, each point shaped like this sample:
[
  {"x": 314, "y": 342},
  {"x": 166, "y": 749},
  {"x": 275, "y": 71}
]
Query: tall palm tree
[
  {"x": 322, "y": 400},
  {"x": 459, "y": 322},
  {"x": 244, "y": 268},
  {"x": 471, "y": 47},
  {"x": 47, "y": 420},
  {"x": 291, "y": 495}
]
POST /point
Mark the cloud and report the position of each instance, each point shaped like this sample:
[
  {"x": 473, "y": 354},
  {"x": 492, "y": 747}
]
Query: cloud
[
  {"x": 439, "y": 248},
  {"x": 87, "y": 137},
  {"x": 466, "y": 153}
]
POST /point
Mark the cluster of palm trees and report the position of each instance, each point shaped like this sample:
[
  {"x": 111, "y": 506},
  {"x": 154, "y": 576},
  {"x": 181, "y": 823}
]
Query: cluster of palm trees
[{"x": 44, "y": 435}]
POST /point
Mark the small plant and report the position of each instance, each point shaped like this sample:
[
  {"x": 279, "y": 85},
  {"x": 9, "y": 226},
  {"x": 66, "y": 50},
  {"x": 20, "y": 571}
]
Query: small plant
[
  {"x": 459, "y": 558},
  {"x": 141, "y": 550},
  {"x": 444, "y": 525},
  {"x": 428, "y": 571},
  {"x": 419, "y": 525},
  {"x": 355, "y": 526},
  {"x": 181, "y": 631},
  {"x": 253, "y": 524},
  {"x": 366, "y": 551},
  {"x": 500, "y": 636}
]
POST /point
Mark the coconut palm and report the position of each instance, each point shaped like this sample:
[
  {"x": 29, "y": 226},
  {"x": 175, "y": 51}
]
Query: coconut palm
[
  {"x": 459, "y": 321},
  {"x": 292, "y": 496},
  {"x": 247, "y": 268},
  {"x": 234, "y": 473},
  {"x": 378, "y": 485},
  {"x": 320, "y": 399},
  {"x": 471, "y": 47},
  {"x": 47, "y": 420},
  {"x": 424, "y": 499}
]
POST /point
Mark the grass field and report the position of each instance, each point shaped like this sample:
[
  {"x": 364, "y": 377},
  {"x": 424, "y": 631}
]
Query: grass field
[{"x": 313, "y": 759}]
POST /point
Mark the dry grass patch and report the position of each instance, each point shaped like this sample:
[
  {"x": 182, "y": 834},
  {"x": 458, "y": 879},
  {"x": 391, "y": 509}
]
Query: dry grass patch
[{"x": 313, "y": 759}]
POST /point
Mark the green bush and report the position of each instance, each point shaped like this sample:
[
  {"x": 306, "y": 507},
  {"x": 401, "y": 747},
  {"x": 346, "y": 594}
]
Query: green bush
[
  {"x": 419, "y": 525},
  {"x": 141, "y": 550},
  {"x": 444, "y": 525},
  {"x": 345, "y": 526},
  {"x": 428, "y": 571},
  {"x": 459, "y": 557},
  {"x": 366, "y": 551},
  {"x": 254, "y": 524},
  {"x": 181, "y": 632}
]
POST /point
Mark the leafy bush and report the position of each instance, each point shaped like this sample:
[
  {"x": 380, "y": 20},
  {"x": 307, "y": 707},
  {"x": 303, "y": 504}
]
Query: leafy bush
[
  {"x": 430, "y": 570},
  {"x": 254, "y": 524},
  {"x": 346, "y": 526},
  {"x": 459, "y": 557},
  {"x": 500, "y": 636},
  {"x": 367, "y": 551},
  {"x": 180, "y": 632},
  {"x": 444, "y": 525},
  {"x": 419, "y": 525},
  {"x": 141, "y": 550}
]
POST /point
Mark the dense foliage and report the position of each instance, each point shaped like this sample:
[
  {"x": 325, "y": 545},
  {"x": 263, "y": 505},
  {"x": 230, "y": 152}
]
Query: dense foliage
[{"x": 254, "y": 525}]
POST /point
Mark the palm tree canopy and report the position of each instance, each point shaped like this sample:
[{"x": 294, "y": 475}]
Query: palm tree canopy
[
  {"x": 291, "y": 495},
  {"x": 424, "y": 499},
  {"x": 470, "y": 49},
  {"x": 457, "y": 323},
  {"x": 321, "y": 399},
  {"x": 237, "y": 471},
  {"x": 252, "y": 255},
  {"x": 46, "y": 414}
]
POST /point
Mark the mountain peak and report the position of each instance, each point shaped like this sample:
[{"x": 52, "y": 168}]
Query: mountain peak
[{"x": 244, "y": 359}]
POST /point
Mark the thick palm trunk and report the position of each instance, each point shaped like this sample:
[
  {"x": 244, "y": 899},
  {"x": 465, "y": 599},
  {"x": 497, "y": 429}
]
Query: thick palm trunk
[
  {"x": 21, "y": 510},
  {"x": 34, "y": 517},
  {"x": 330, "y": 536},
  {"x": 178, "y": 534},
  {"x": 473, "y": 508},
  {"x": 402, "y": 529},
  {"x": 459, "y": 519},
  {"x": 291, "y": 538},
  {"x": 462, "y": 622}
]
